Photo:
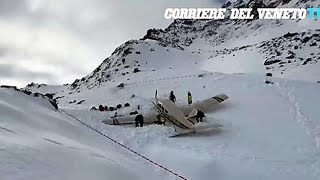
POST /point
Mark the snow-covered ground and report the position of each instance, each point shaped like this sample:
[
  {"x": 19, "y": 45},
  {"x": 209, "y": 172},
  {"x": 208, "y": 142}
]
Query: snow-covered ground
[
  {"x": 261, "y": 132},
  {"x": 37, "y": 142}
]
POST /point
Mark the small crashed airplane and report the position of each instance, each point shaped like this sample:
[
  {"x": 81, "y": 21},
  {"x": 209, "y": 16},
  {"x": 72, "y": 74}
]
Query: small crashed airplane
[
  {"x": 177, "y": 115},
  {"x": 182, "y": 118}
]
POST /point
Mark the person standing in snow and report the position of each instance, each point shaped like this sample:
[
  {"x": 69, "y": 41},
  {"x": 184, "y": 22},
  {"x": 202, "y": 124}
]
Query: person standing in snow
[
  {"x": 139, "y": 120},
  {"x": 200, "y": 115},
  {"x": 160, "y": 120},
  {"x": 189, "y": 98},
  {"x": 114, "y": 119},
  {"x": 172, "y": 97}
]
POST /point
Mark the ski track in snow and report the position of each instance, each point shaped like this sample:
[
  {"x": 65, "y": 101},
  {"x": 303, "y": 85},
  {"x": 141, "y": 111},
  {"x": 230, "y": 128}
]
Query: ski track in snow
[{"x": 311, "y": 128}]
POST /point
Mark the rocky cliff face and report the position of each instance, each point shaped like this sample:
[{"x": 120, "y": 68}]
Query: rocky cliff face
[{"x": 283, "y": 44}]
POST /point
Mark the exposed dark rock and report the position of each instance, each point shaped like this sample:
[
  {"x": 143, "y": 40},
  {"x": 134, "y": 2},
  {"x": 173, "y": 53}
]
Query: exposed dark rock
[
  {"x": 81, "y": 101},
  {"x": 49, "y": 95},
  {"x": 187, "y": 22},
  {"x": 126, "y": 105},
  {"x": 133, "y": 112},
  {"x": 111, "y": 108},
  {"x": 291, "y": 56},
  {"x": 285, "y": 1},
  {"x": 127, "y": 51},
  {"x": 121, "y": 85},
  {"x": 135, "y": 70},
  {"x": 187, "y": 41},
  {"x": 54, "y": 103},
  {"x": 268, "y": 82},
  {"x": 9, "y": 87},
  {"x": 101, "y": 107},
  {"x": 38, "y": 94},
  {"x": 296, "y": 39},
  {"x": 59, "y": 97},
  {"x": 313, "y": 44},
  {"x": 94, "y": 108},
  {"x": 288, "y": 35},
  {"x": 119, "y": 106},
  {"x": 27, "y": 92},
  {"x": 226, "y": 4},
  {"x": 75, "y": 84},
  {"x": 31, "y": 84},
  {"x": 269, "y": 74},
  {"x": 306, "y": 61},
  {"x": 306, "y": 39},
  {"x": 269, "y": 62},
  {"x": 153, "y": 34}
]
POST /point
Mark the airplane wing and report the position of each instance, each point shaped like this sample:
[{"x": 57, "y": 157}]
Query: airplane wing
[
  {"x": 125, "y": 119},
  {"x": 205, "y": 105},
  {"x": 175, "y": 115}
]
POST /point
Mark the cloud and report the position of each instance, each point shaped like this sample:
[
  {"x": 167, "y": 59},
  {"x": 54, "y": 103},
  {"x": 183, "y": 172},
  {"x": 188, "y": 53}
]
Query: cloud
[
  {"x": 7, "y": 70},
  {"x": 12, "y": 8},
  {"x": 11, "y": 73},
  {"x": 68, "y": 39}
]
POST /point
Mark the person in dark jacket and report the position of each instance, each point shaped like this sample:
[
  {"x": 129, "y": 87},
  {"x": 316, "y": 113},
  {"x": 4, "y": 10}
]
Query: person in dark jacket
[
  {"x": 139, "y": 120},
  {"x": 200, "y": 115},
  {"x": 189, "y": 98},
  {"x": 114, "y": 118},
  {"x": 172, "y": 97}
]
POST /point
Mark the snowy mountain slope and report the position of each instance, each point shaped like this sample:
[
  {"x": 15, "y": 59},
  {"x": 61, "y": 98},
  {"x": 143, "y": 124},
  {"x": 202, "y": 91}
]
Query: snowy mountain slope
[
  {"x": 38, "y": 142},
  {"x": 261, "y": 132},
  {"x": 285, "y": 48},
  {"x": 285, "y": 56},
  {"x": 194, "y": 41}
]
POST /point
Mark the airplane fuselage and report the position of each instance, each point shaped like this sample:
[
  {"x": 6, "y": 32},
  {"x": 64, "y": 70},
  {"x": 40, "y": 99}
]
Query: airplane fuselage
[{"x": 169, "y": 116}]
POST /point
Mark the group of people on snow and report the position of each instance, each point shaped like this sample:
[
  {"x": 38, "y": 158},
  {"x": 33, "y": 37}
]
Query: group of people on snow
[
  {"x": 199, "y": 116},
  {"x": 139, "y": 119},
  {"x": 172, "y": 97}
]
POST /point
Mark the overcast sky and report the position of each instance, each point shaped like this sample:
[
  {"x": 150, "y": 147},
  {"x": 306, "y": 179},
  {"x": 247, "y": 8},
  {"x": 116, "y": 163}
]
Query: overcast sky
[{"x": 57, "y": 41}]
